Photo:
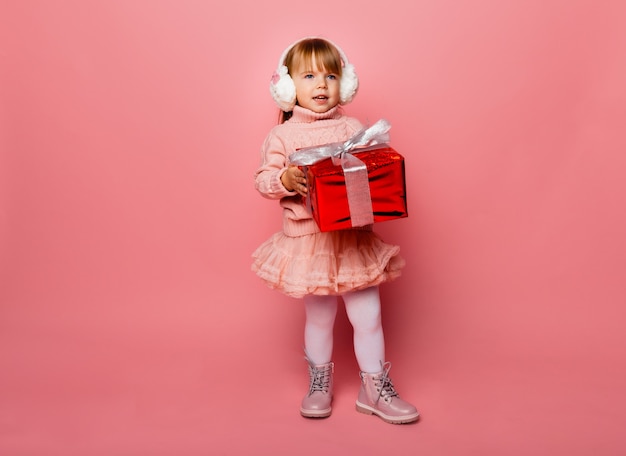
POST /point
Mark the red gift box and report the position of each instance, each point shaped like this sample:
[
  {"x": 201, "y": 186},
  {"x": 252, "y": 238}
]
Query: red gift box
[{"x": 327, "y": 197}]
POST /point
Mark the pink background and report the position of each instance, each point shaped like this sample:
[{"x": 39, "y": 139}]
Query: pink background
[{"x": 130, "y": 322}]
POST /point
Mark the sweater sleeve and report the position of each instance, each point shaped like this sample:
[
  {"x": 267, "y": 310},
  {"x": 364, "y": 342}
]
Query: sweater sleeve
[{"x": 273, "y": 165}]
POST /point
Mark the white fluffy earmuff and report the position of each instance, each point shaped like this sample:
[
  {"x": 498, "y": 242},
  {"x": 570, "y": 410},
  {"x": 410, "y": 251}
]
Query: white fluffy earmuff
[{"x": 283, "y": 89}]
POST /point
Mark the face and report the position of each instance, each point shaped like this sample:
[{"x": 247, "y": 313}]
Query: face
[{"x": 316, "y": 88}]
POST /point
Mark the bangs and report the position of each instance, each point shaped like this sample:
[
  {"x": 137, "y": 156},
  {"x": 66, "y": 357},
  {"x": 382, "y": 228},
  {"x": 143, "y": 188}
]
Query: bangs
[{"x": 315, "y": 51}]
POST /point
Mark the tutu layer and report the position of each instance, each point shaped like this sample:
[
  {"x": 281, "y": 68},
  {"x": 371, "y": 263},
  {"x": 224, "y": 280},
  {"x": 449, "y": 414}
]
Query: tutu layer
[{"x": 329, "y": 263}]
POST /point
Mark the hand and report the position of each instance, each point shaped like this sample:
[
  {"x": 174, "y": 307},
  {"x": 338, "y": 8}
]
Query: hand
[{"x": 294, "y": 180}]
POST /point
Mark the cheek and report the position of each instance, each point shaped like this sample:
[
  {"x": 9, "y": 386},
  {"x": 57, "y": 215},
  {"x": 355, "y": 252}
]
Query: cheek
[{"x": 302, "y": 86}]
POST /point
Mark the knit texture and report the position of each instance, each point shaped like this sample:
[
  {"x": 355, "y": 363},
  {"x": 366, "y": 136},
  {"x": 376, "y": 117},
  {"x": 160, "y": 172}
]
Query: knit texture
[{"x": 304, "y": 129}]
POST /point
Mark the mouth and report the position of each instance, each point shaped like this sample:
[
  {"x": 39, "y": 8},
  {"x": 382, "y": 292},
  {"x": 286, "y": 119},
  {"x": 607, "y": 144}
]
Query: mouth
[{"x": 320, "y": 98}]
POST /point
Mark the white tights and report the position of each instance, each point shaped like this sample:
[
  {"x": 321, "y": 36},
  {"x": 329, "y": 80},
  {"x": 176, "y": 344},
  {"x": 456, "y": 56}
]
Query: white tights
[{"x": 363, "y": 310}]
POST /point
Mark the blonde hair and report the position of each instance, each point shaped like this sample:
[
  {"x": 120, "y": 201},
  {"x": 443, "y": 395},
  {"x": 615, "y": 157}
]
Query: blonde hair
[{"x": 313, "y": 50}]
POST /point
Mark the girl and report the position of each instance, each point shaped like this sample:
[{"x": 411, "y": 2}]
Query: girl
[{"x": 313, "y": 79}]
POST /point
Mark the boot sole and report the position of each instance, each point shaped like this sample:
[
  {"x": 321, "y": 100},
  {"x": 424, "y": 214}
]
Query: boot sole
[
  {"x": 404, "y": 419},
  {"x": 315, "y": 413}
]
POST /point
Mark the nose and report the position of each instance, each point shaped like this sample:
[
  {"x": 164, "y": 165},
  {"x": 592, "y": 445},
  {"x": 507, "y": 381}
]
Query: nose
[{"x": 321, "y": 82}]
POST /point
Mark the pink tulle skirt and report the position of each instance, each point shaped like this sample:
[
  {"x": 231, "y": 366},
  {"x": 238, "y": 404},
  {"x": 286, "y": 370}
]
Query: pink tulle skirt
[{"x": 329, "y": 263}]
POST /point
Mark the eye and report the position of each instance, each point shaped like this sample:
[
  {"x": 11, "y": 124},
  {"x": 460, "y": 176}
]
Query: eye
[
  {"x": 332, "y": 76},
  {"x": 308, "y": 76}
]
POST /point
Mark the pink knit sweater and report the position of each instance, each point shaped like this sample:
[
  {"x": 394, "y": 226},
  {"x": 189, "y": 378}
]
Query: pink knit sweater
[{"x": 304, "y": 129}]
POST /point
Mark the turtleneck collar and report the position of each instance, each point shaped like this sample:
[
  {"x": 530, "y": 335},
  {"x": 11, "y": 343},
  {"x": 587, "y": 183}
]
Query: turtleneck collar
[{"x": 303, "y": 115}]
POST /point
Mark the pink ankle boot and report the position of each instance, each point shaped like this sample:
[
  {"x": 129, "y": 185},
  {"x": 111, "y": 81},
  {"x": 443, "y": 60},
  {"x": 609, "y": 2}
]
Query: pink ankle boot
[
  {"x": 316, "y": 404},
  {"x": 378, "y": 397}
]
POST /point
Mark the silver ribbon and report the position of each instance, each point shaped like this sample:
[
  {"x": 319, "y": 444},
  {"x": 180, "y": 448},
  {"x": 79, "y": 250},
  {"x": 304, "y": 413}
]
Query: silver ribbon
[{"x": 355, "y": 171}]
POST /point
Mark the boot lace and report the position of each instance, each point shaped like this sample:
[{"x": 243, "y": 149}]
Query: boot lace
[
  {"x": 319, "y": 378},
  {"x": 383, "y": 383}
]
